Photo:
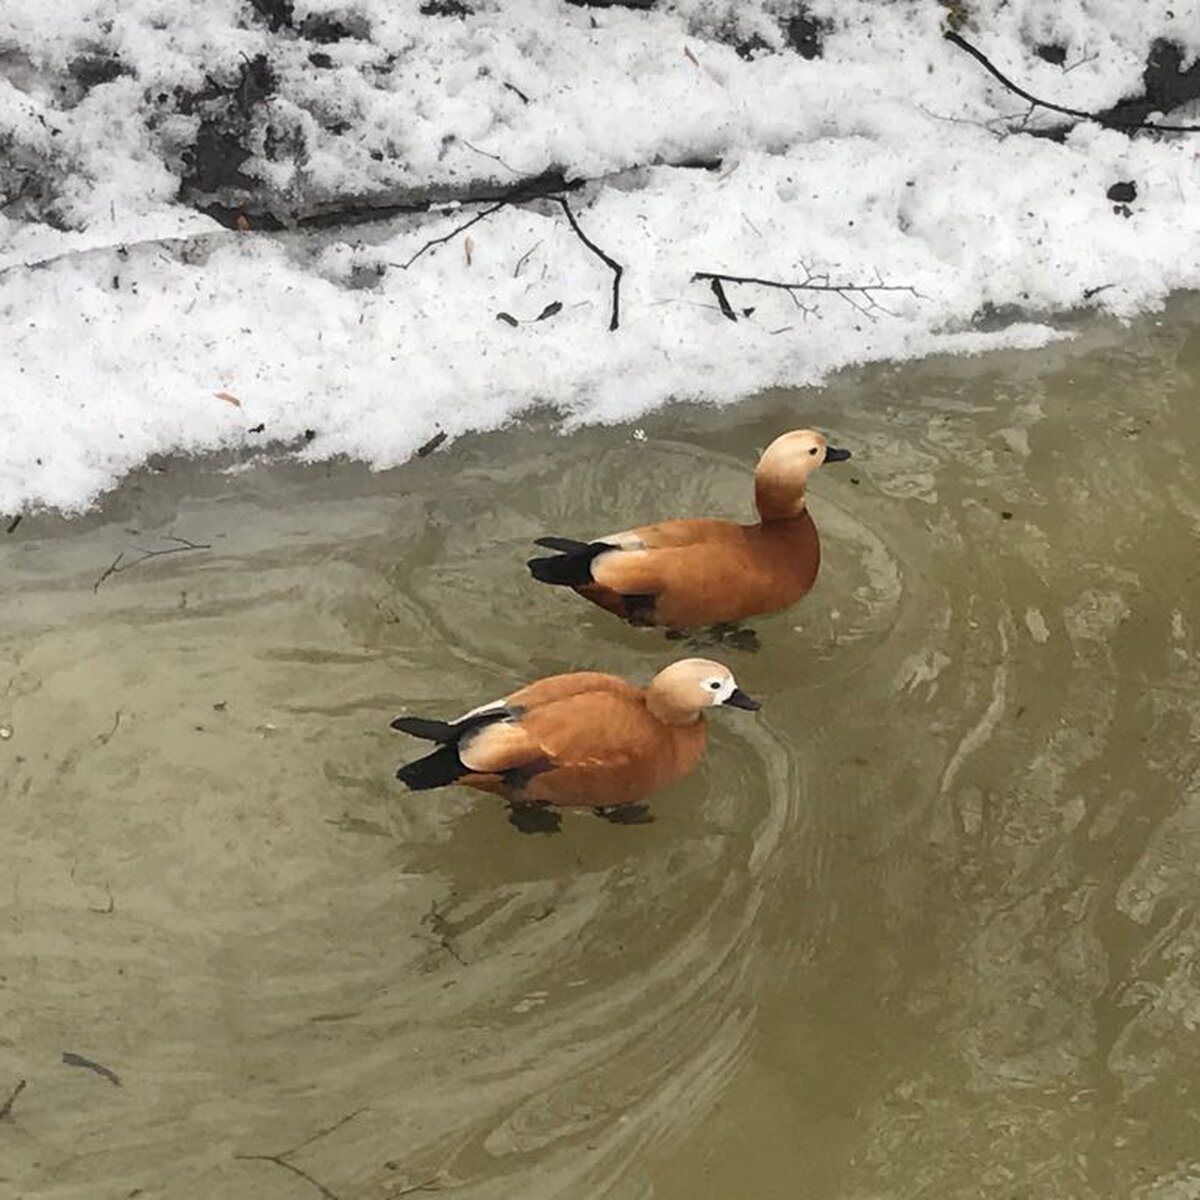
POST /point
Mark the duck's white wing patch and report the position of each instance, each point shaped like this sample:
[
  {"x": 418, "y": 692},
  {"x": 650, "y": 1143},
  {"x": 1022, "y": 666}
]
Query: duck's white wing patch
[
  {"x": 622, "y": 541},
  {"x": 496, "y": 706}
]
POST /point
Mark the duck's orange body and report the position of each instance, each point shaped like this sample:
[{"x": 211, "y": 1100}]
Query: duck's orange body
[
  {"x": 692, "y": 572},
  {"x": 725, "y": 572},
  {"x": 583, "y": 739}
]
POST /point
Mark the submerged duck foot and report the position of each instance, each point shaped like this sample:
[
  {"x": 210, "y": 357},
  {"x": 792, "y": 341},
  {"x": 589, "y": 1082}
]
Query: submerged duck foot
[
  {"x": 533, "y": 818},
  {"x": 626, "y": 814},
  {"x": 738, "y": 637},
  {"x": 725, "y": 633}
]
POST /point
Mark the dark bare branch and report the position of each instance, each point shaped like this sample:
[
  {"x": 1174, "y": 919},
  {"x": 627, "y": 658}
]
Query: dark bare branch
[
  {"x": 1111, "y": 119},
  {"x": 612, "y": 264},
  {"x": 723, "y": 300}
]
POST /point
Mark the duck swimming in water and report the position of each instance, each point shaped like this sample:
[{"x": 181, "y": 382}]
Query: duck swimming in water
[
  {"x": 688, "y": 573},
  {"x": 580, "y": 740}
]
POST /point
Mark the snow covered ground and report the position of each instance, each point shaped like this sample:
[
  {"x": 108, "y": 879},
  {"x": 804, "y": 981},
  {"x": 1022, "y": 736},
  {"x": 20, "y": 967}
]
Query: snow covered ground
[{"x": 134, "y": 324}]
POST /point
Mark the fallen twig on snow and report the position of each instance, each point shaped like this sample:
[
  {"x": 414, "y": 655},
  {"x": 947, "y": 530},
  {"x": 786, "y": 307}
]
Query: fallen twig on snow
[
  {"x": 526, "y": 190},
  {"x": 614, "y": 266},
  {"x": 860, "y": 296},
  {"x": 1111, "y": 119},
  {"x": 722, "y": 300},
  {"x": 441, "y": 241}
]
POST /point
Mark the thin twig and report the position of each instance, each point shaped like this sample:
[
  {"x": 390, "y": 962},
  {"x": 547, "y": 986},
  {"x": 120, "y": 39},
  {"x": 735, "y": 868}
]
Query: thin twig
[
  {"x": 316, "y": 1137},
  {"x": 442, "y": 933},
  {"x": 525, "y": 258},
  {"x": 6, "y": 1107},
  {"x": 439, "y": 241},
  {"x": 808, "y": 285},
  {"x": 862, "y": 297},
  {"x": 280, "y": 1161},
  {"x": 119, "y": 564},
  {"x": 1086, "y": 59},
  {"x": 181, "y": 240},
  {"x": 613, "y": 265},
  {"x": 987, "y": 126},
  {"x": 549, "y": 184},
  {"x": 752, "y": 225},
  {"x": 112, "y": 568},
  {"x": 487, "y": 154},
  {"x": 102, "y": 739},
  {"x": 1101, "y": 118}
]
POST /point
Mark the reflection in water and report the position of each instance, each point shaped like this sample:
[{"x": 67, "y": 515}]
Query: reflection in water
[{"x": 924, "y": 926}]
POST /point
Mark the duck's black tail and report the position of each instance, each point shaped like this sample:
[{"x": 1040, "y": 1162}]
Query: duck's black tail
[
  {"x": 453, "y": 731},
  {"x": 423, "y": 727},
  {"x": 435, "y": 770},
  {"x": 571, "y": 566},
  {"x": 443, "y": 766}
]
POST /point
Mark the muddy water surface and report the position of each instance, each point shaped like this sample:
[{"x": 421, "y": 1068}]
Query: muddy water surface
[{"x": 927, "y": 925}]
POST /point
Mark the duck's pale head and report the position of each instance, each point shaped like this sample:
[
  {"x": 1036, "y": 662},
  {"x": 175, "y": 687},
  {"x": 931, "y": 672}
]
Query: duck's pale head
[
  {"x": 678, "y": 694},
  {"x": 781, "y": 477}
]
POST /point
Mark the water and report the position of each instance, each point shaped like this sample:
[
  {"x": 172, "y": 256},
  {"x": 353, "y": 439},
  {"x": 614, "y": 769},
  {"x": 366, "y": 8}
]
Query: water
[{"x": 927, "y": 925}]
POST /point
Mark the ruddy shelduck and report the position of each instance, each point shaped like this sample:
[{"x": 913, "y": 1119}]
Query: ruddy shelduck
[
  {"x": 580, "y": 740},
  {"x": 695, "y": 572}
]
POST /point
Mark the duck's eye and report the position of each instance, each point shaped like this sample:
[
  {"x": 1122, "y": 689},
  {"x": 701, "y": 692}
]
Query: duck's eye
[
  {"x": 813, "y": 450},
  {"x": 715, "y": 685}
]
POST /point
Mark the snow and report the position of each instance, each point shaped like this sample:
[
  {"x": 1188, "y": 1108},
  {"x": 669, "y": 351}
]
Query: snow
[{"x": 885, "y": 159}]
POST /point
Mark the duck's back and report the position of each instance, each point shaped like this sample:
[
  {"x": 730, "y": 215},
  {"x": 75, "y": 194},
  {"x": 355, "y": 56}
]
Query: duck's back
[
  {"x": 595, "y": 744},
  {"x": 727, "y": 573},
  {"x": 574, "y": 683}
]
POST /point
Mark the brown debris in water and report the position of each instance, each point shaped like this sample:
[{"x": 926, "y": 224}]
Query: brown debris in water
[
  {"x": 6, "y": 1107},
  {"x": 77, "y": 1060}
]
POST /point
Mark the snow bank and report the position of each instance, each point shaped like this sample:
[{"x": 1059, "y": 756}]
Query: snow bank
[{"x": 885, "y": 158}]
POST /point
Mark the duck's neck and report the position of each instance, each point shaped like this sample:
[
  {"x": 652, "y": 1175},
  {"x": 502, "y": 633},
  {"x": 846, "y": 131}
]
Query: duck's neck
[
  {"x": 775, "y": 503},
  {"x": 661, "y": 708}
]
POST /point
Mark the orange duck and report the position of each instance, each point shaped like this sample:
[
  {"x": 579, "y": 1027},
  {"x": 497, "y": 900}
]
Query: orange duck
[
  {"x": 580, "y": 740},
  {"x": 695, "y": 572}
]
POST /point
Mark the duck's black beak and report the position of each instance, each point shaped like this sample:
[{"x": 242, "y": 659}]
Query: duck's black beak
[
  {"x": 739, "y": 699},
  {"x": 835, "y": 454}
]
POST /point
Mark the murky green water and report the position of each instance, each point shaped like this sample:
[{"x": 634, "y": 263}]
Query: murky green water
[{"x": 926, "y": 926}]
